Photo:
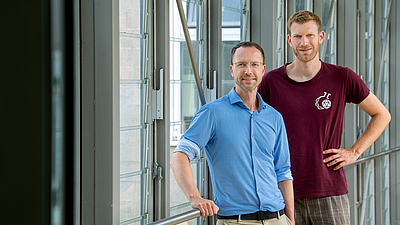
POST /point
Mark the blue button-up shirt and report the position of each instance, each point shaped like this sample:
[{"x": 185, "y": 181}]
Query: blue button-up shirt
[{"x": 247, "y": 153}]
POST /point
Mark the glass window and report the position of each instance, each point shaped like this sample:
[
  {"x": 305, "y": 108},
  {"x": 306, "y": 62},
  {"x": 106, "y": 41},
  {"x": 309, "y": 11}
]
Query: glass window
[
  {"x": 368, "y": 197},
  {"x": 235, "y": 15},
  {"x": 303, "y": 5},
  {"x": 369, "y": 44},
  {"x": 133, "y": 128},
  {"x": 385, "y": 101},
  {"x": 330, "y": 29},
  {"x": 280, "y": 33},
  {"x": 184, "y": 97}
]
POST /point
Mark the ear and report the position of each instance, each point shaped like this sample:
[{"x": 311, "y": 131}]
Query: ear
[
  {"x": 289, "y": 40},
  {"x": 321, "y": 37},
  {"x": 231, "y": 68}
]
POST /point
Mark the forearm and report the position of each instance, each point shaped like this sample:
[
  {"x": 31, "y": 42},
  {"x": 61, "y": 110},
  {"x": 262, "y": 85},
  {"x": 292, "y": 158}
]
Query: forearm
[
  {"x": 286, "y": 188},
  {"x": 184, "y": 176},
  {"x": 380, "y": 118},
  {"x": 373, "y": 130}
]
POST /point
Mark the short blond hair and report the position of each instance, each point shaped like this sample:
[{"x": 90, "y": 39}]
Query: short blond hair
[{"x": 304, "y": 16}]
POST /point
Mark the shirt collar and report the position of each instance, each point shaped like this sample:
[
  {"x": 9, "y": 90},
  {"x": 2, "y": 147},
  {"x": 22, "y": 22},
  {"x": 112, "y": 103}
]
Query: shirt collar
[{"x": 235, "y": 98}]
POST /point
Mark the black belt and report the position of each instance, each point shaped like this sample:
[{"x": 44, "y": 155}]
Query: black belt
[{"x": 260, "y": 215}]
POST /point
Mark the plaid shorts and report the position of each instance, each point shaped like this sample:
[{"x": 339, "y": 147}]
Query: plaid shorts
[{"x": 324, "y": 210}]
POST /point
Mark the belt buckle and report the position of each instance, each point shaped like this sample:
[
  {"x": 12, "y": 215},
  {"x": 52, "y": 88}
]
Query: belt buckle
[
  {"x": 279, "y": 216},
  {"x": 239, "y": 218}
]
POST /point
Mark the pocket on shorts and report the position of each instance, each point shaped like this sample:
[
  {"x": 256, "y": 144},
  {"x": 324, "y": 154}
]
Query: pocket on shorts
[{"x": 289, "y": 222}]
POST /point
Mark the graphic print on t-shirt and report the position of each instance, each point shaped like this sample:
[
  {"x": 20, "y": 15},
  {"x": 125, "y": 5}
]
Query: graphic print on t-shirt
[{"x": 325, "y": 103}]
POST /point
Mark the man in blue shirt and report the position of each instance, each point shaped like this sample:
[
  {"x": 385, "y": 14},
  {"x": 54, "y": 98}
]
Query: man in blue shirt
[{"x": 246, "y": 148}]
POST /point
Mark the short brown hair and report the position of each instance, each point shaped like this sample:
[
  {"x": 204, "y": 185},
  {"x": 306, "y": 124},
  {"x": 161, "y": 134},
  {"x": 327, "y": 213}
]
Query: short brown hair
[
  {"x": 304, "y": 16},
  {"x": 247, "y": 44}
]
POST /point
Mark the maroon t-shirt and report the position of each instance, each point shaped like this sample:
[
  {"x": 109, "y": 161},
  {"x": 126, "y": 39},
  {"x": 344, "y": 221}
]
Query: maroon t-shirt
[{"x": 313, "y": 114}]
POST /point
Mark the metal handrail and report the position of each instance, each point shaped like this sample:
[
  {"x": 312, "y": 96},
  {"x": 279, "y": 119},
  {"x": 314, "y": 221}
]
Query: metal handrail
[
  {"x": 177, "y": 219},
  {"x": 374, "y": 156}
]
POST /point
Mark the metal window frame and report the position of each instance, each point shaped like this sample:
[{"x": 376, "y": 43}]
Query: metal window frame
[
  {"x": 394, "y": 108},
  {"x": 144, "y": 173},
  {"x": 100, "y": 112},
  {"x": 161, "y": 125}
]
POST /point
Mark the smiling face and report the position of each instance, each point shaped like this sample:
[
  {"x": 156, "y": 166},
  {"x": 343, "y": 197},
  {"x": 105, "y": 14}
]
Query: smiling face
[
  {"x": 305, "y": 40},
  {"x": 247, "y": 69}
]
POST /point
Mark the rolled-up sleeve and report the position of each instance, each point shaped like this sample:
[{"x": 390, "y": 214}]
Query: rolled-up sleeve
[
  {"x": 198, "y": 135},
  {"x": 189, "y": 148},
  {"x": 282, "y": 155}
]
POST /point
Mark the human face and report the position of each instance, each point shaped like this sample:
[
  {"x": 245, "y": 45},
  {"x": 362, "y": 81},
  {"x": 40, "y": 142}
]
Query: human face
[
  {"x": 248, "y": 78},
  {"x": 305, "y": 40}
]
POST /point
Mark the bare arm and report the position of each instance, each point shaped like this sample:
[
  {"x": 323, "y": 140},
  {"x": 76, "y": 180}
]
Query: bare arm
[
  {"x": 286, "y": 188},
  {"x": 380, "y": 118},
  {"x": 184, "y": 176}
]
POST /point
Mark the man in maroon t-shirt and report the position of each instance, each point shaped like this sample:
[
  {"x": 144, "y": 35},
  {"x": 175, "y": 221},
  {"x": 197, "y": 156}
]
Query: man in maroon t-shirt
[{"x": 311, "y": 96}]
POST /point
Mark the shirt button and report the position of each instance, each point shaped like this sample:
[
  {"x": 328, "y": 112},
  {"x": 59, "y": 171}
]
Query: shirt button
[
  {"x": 254, "y": 153},
  {"x": 256, "y": 172},
  {"x": 252, "y": 135}
]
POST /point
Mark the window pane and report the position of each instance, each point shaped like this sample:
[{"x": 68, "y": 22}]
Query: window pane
[
  {"x": 227, "y": 80},
  {"x": 131, "y": 94},
  {"x": 184, "y": 96},
  {"x": 130, "y": 154},
  {"x": 303, "y": 5},
  {"x": 369, "y": 44},
  {"x": 129, "y": 56},
  {"x": 233, "y": 17},
  {"x": 133, "y": 130},
  {"x": 130, "y": 198},
  {"x": 280, "y": 33},
  {"x": 384, "y": 97},
  {"x": 129, "y": 16},
  {"x": 369, "y": 202},
  {"x": 330, "y": 29}
]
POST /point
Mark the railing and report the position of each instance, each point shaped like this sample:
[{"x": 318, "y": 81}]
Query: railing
[
  {"x": 374, "y": 156},
  {"x": 194, "y": 213},
  {"x": 179, "y": 218}
]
